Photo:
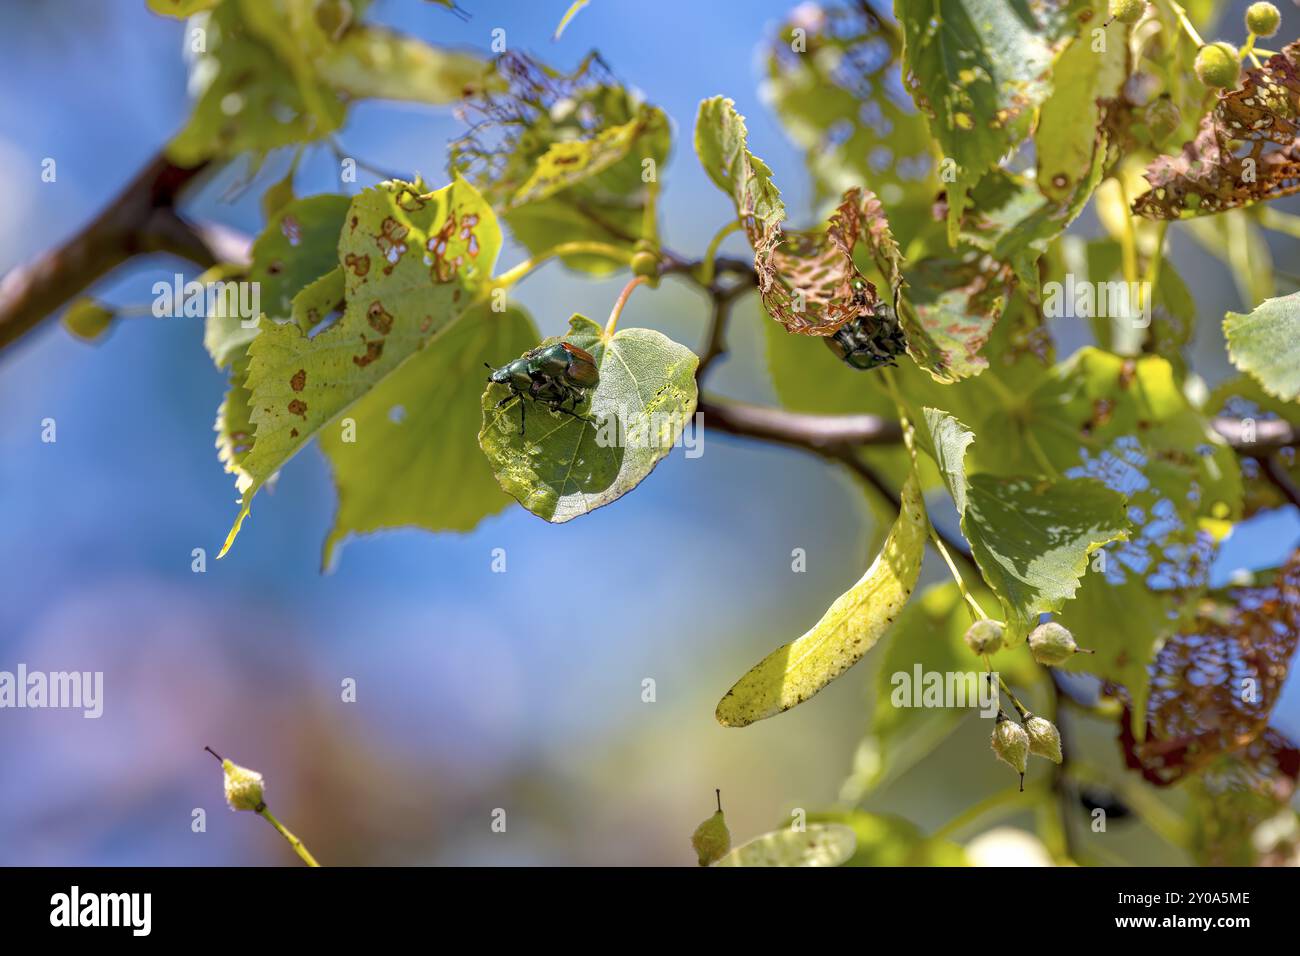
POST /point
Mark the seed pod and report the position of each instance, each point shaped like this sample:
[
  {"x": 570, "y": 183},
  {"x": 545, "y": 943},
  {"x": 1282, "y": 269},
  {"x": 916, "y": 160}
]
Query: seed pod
[
  {"x": 1217, "y": 65},
  {"x": 985, "y": 637},
  {"x": 1052, "y": 644},
  {"x": 1262, "y": 19},
  {"x": 712, "y": 839},
  {"x": 1044, "y": 738},
  {"x": 1011, "y": 744},
  {"x": 243, "y": 787},
  {"x": 1127, "y": 11}
]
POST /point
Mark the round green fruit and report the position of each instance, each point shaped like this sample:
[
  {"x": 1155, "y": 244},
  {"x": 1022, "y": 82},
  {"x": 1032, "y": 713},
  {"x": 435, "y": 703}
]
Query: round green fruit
[
  {"x": 1127, "y": 11},
  {"x": 1217, "y": 65},
  {"x": 1262, "y": 19}
]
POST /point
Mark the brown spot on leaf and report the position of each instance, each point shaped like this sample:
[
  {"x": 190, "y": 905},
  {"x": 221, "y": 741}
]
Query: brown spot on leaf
[
  {"x": 373, "y": 351},
  {"x": 359, "y": 265},
  {"x": 298, "y": 407},
  {"x": 299, "y": 380},
  {"x": 379, "y": 319}
]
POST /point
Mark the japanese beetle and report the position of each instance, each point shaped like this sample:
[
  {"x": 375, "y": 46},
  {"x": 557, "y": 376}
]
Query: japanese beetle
[
  {"x": 872, "y": 339},
  {"x": 553, "y": 374}
]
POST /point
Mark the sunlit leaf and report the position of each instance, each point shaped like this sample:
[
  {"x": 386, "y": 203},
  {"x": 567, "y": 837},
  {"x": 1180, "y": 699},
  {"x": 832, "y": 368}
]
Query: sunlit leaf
[
  {"x": 414, "y": 262},
  {"x": 376, "y": 63},
  {"x": 819, "y": 844},
  {"x": 1266, "y": 343},
  {"x": 298, "y": 245},
  {"x": 851, "y": 626},
  {"x": 978, "y": 69},
  {"x": 1031, "y": 537},
  {"x": 722, "y": 145},
  {"x": 561, "y": 466}
]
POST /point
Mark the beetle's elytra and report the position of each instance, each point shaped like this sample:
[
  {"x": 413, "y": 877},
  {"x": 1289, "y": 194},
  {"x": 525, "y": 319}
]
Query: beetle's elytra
[{"x": 555, "y": 375}]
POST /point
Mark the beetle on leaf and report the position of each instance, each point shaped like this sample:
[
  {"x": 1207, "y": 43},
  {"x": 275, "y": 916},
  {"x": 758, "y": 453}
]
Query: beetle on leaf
[{"x": 553, "y": 374}]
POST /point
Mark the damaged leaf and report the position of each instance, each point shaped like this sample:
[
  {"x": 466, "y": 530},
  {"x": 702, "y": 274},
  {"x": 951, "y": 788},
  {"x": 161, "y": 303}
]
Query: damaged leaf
[{"x": 561, "y": 466}]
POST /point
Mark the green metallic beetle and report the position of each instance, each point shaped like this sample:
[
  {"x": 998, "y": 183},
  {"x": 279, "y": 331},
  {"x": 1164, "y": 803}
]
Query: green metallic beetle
[
  {"x": 872, "y": 339},
  {"x": 553, "y": 374}
]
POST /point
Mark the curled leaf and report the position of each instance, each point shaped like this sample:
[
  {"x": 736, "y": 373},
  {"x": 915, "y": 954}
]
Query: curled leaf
[{"x": 1244, "y": 151}]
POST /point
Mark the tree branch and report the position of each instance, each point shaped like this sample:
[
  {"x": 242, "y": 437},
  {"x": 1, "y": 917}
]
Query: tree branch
[{"x": 141, "y": 220}]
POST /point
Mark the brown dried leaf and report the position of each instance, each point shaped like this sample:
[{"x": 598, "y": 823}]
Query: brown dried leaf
[
  {"x": 1214, "y": 685},
  {"x": 1245, "y": 150},
  {"x": 807, "y": 279}
]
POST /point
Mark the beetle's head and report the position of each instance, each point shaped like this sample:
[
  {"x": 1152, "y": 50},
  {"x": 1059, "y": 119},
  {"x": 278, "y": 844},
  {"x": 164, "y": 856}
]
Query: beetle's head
[{"x": 500, "y": 376}]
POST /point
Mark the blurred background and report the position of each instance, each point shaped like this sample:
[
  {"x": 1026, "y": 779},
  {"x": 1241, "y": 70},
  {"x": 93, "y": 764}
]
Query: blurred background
[{"x": 472, "y": 694}]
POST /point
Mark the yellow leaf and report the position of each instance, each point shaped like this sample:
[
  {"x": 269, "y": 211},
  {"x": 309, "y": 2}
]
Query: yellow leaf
[{"x": 858, "y": 618}]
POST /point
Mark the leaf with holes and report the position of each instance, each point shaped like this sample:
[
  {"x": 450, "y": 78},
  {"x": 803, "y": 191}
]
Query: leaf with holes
[
  {"x": 1031, "y": 537},
  {"x": 413, "y": 263}
]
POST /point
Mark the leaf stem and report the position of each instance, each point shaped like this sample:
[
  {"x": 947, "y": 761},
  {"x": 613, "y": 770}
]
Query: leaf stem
[
  {"x": 1015, "y": 702},
  {"x": 1011, "y": 799},
  {"x": 293, "y": 840},
  {"x": 508, "y": 278},
  {"x": 909, "y": 440},
  {"x": 1185, "y": 23},
  {"x": 1277, "y": 221},
  {"x": 649, "y": 218},
  {"x": 615, "y": 312},
  {"x": 708, "y": 267}
]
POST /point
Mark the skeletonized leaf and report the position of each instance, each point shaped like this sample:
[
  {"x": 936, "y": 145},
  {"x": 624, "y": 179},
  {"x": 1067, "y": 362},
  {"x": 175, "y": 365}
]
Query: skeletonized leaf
[
  {"x": 413, "y": 263},
  {"x": 559, "y": 466},
  {"x": 562, "y": 156},
  {"x": 851, "y": 626},
  {"x": 820, "y": 844},
  {"x": 1266, "y": 343},
  {"x": 1031, "y": 537}
]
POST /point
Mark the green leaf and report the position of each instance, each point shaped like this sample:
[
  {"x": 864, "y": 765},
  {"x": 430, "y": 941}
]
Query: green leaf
[
  {"x": 299, "y": 244},
  {"x": 979, "y": 71},
  {"x": 820, "y": 844},
  {"x": 851, "y": 626},
  {"x": 415, "y": 461},
  {"x": 839, "y": 97},
  {"x": 569, "y": 162},
  {"x": 1266, "y": 343},
  {"x": 249, "y": 98},
  {"x": 950, "y": 314},
  {"x": 413, "y": 264},
  {"x": 1066, "y": 140},
  {"x": 721, "y": 143},
  {"x": 559, "y": 466},
  {"x": 887, "y": 840},
  {"x": 376, "y": 63},
  {"x": 1030, "y": 537},
  {"x": 88, "y": 319}
]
